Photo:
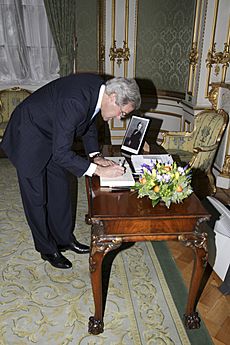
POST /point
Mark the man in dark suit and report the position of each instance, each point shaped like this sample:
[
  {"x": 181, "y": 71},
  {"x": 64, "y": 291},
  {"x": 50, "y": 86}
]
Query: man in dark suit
[
  {"x": 38, "y": 141},
  {"x": 134, "y": 140}
]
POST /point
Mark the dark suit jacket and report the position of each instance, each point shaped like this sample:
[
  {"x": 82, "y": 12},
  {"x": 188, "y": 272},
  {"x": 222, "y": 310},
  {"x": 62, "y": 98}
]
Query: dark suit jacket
[
  {"x": 44, "y": 125},
  {"x": 134, "y": 140}
]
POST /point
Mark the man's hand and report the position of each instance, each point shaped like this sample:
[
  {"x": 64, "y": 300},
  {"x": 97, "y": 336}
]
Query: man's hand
[
  {"x": 111, "y": 170},
  {"x": 103, "y": 162}
]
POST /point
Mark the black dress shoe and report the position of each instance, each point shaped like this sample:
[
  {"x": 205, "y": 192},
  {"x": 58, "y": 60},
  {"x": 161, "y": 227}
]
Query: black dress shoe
[
  {"x": 75, "y": 246},
  {"x": 57, "y": 260}
]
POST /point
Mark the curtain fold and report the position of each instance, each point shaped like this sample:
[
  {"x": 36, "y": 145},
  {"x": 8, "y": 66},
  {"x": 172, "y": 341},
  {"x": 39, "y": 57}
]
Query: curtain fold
[
  {"x": 61, "y": 17},
  {"x": 27, "y": 52}
]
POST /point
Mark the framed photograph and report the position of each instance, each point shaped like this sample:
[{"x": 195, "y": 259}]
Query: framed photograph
[{"x": 135, "y": 134}]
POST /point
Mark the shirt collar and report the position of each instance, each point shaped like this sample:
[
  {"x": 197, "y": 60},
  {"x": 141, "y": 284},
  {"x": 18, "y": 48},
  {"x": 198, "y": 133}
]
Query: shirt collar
[
  {"x": 101, "y": 92},
  {"x": 98, "y": 106}
]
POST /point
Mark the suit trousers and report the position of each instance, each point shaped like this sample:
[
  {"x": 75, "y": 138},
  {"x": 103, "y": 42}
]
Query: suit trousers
[{"x": 47, "y": 204}]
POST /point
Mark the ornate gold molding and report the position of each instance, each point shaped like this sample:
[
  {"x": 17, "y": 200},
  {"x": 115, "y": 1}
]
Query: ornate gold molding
[
  {"x": 193, "y": 61},
  {"x": 119, "y": 53},
  {"x": 226, "y": 167},
  {"x": 218, "y": 58},
  {"x": 101, "y": 35},
  {"x": 209, "y": 65},
  {"x": 102, "y": 53},
  {"x": 193, "y": 56},
  {"x": 213, "y": 96},
  {"x": 194, "y": 52}
]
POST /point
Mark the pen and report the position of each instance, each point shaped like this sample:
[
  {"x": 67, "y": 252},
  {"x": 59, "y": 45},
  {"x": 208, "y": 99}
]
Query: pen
[{"x": 122, "y": 164}]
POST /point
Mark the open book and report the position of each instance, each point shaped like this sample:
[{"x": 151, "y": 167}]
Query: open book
[
  {"x": 125, "y": 180},
  {"x": 139, "y": 160}
]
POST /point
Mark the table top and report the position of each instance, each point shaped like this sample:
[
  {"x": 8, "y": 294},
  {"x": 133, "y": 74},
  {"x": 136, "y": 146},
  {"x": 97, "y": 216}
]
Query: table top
[{"x": 107, "y": 204}]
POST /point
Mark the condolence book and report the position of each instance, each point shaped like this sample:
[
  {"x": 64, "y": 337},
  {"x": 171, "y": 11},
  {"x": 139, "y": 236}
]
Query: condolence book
[{"x": 125, "y": 180}]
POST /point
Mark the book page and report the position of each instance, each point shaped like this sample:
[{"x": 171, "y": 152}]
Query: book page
[{"x": 126, "y": 180}]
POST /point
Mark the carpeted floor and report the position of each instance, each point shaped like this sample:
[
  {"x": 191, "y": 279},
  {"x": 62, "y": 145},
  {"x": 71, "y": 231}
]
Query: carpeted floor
[
  {"x": 178, "y": 291},
  {"x": 43, "y": 305}
]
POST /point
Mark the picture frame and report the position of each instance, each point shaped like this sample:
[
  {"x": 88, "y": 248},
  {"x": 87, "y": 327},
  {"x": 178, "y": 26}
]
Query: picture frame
[
  {"x": 153, "y": 131},
  {"x": 135, "y": 134}
]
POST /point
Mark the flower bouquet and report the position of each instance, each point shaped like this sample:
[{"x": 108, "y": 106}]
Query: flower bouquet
[{"x": 162, "y": 182}]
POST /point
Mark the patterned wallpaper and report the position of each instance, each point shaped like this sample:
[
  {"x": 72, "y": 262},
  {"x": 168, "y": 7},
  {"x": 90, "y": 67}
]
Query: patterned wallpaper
[
  {"x": 87, "y": 41},
  {"x": 164, "y": 37}
]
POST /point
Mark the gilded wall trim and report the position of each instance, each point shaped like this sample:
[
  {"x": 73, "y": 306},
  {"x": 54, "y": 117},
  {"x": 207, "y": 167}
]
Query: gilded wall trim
[
  {"x": 209, "y": 65},
  {"x": 226, "y": 167},
  {"x": 120, "y": 54},
  {"x": 226, "y": 55},
  {"x": 213, "y": 95},
  {"x": 193, "y": 60},
  {"x": 101, "y": 19},
  {"x": 217, "y": 58},
  {"x": 113, "y": 32},
  {"x": 194, "y": 55},
  {"x": 135, "y": 39},
  {"x": 127, "y": 52}
]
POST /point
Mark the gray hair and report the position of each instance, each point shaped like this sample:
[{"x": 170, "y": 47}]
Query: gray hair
[{"x": 126, "y": 90}]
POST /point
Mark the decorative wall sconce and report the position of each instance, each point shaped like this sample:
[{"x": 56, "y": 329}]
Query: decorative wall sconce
[
  {"x": 119, "y": 53},
  {"x": 218, "y": 58}
]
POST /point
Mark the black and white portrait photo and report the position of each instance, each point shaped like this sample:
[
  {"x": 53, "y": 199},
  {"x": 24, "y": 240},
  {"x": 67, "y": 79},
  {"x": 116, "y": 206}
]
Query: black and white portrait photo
[{"x": 135, "y": 133}]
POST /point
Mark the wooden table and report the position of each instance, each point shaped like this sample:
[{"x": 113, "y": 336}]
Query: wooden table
[{"x": 118, "y": 217}]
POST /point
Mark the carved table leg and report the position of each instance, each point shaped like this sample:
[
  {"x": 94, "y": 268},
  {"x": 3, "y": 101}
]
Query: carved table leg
[
  {"x": 199, "y": 245},
  {"x": 100, "y": 246},
  {"x": 96, "y": 324}
]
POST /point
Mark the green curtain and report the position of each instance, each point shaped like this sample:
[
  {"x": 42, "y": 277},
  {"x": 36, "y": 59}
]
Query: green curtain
[{"x": 61, "y": 17}]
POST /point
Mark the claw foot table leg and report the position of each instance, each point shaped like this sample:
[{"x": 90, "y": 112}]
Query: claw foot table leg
[
  {"x": 100, "y": 246},
  {"x": 95, "y": 326},
  {"x": 192, "y": 321},
  {"x": 198, "y": 242}
]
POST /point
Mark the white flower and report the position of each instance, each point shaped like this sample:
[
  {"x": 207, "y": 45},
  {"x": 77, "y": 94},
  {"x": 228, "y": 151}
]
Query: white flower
[
  {"x": 166, "y": 177},
  {"x": 159, "y": 177},
  {"x": 181, "y": 170}
]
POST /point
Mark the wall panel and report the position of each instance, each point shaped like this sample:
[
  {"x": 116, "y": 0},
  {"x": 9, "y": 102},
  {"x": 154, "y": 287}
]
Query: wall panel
[
  {"x": 164, "y": 37},
  {"x": 87, "y": 36}
]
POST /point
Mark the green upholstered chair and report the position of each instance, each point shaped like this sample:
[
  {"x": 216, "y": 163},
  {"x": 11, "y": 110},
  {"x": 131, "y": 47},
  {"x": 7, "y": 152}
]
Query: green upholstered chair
[
  {"x": 9, "y": 99},
  {"x": 198, "y": 148}
]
